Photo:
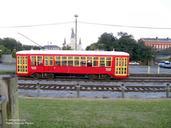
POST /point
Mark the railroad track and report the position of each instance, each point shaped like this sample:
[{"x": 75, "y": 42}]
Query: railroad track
[
  {"x": 92, "y": 85},
  {"x": 89, "y": 87},
  {"x": 132, "y": 78},
  {"x": 99, "y": 85}
]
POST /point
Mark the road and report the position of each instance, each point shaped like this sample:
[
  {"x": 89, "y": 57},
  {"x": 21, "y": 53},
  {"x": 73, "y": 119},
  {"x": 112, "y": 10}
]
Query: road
[{"x": 132, "y": 69}]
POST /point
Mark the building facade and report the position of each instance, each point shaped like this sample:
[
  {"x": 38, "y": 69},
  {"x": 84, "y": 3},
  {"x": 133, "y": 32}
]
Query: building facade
[
  {"x": 157, "y": 43},
  {"x": 51, "y": 47},
  {"x": 72, "y": 42}
]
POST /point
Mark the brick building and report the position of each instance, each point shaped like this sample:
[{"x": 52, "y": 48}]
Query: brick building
[{"x": 157, "y": 43}]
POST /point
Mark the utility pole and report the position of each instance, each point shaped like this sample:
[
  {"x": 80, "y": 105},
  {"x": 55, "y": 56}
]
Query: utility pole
[{"x": 75, "y": 31}]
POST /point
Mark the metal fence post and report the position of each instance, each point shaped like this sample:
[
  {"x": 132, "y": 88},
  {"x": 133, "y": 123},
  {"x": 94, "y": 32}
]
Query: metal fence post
[
  {"x": 148, "y": 70},
  {"x": 123, "y": 90},
  {"x": 158, "y": 69},
  {"x": 78, "y": 90},
  {"x": 167, "y": 90},
  {"x": 38, "y": 89}
]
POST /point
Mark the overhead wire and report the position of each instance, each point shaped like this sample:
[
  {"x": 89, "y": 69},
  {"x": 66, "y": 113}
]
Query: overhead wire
[
  {"x": 30, "y": 39},
  {"x": 84, "y": 22},
  {"x": 37, "y": 25},
  {"x": 126, "y": 26}
]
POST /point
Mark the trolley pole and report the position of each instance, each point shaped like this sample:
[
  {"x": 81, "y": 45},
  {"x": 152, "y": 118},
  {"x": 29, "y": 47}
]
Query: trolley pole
[{"x": 75, "y": 31}]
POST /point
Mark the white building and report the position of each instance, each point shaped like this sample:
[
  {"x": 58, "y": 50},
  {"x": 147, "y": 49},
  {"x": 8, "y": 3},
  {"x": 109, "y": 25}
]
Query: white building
[{"x": 72, "y": 41}]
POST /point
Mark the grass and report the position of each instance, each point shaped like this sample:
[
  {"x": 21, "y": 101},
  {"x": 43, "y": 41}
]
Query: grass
[
  {"x": 6, "y": 72},
  {"x": 93, "y": 113}
]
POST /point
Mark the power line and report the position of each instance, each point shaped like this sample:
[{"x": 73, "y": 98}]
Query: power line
[
  {"x": 37, "y": 25},
  {"x": 30, "y": 39},
  {"x": 84, "y": 22},
  {"x": 126, "y": 26}
]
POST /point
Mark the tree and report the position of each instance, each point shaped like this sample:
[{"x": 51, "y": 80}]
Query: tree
[
  {"x": 11, "y": 44},
  {"x": 105, "y": 42},
  {"x": 4, "y": 50},
  {"x": 67, "y": 47},
  {"x": 0, "y": 53},
  {"x": 14, "y": 53},
  {"x": 137, "y": 50}
]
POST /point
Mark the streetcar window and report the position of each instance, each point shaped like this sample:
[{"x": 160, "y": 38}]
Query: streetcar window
[
  {"x": 33, "y": 60},
  {"x": 57, "y": 60},
  {"x": 126, "y": 61},
  {"x": 108, "y": 61},
  {"x": 102, "y": 61},
  {"x": 51, "y": 60},
  {"x": 83, "y": 61},
  {"x": 64, "y": 61},
  {"x": 70, "y": 61},
  {"x": 48, "y": 60},
  {"x": 76, "y": 61},
  {"x": 39, "y": 60},
  {"x": 117, "y": 62},
  {"x": 36, "y": 60},
  {"x": 89, "y": 61},
  {"x": 95, "y": 61}
]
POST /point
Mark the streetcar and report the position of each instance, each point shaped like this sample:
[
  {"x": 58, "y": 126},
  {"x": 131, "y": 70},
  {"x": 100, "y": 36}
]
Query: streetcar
[{"x": 51, "y": 63}]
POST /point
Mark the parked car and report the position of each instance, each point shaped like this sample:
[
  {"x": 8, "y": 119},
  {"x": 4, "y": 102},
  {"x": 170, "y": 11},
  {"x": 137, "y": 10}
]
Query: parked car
[
  {"x": 165, "y": 64},
  {"x": 134, "y": 63}
]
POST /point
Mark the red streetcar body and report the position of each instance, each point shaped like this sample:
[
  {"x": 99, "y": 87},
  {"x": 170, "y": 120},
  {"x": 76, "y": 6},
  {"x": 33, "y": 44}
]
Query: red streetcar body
[{"x": 112, "y": 63}]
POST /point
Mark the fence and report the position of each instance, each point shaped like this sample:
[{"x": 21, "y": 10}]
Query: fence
[
  {"x": 3, "y": 113},
  {"x": 9, "y": 115}
]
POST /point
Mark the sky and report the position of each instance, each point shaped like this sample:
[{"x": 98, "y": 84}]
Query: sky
[{"x": 15, "y": 14}]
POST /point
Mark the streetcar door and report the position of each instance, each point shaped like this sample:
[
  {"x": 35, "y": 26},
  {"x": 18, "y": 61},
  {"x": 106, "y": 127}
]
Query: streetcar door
[
  {"x": 22, "y": 64},
  {"x": 121, "y": 66}
]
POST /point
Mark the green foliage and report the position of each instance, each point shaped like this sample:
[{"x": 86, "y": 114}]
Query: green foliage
[
  {"x": 0, "y": 53},
  {"x": 7, "y": 72},
  {"x": 11, "y": 44},
  {"x": 105, "y": 42},
  {"x": 7, "y": 45},
  {"x": 67, "y": 47},
  {"x": 14, "y": 53},
  {"x": 4, "y": 50},
  {"x": 27, "y": 47},
  {"x": 137, "y": 50}
]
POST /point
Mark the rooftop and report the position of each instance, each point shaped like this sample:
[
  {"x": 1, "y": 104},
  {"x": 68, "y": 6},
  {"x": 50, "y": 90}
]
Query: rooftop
[
  {"x": 72, "y": 52},
  {"x": 157, "y": 39}
]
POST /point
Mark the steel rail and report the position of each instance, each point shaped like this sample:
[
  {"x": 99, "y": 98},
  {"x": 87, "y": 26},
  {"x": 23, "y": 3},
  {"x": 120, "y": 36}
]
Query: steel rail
[{"x": 92, "y": 87}]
